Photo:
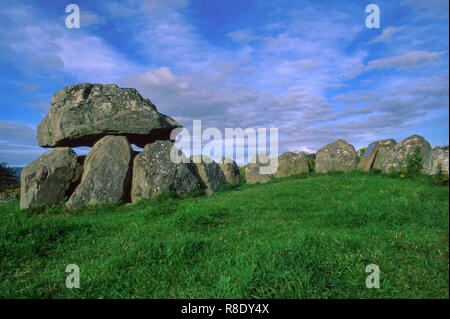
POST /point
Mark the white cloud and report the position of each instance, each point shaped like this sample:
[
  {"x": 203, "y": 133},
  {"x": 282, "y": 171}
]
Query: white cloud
[
  {"x": 42, "y": 105},
  {"x": 407, "y": 60},
  {"x": 13, "y": 132},
  {"x": 88, "y": 18},
  {"x": 47, "y": 45},
  {"x": 18, "y": 144},
  {"x": 387, "y": 34},
  {"x": 243, "y": 36},
  {"x": 299, "y": 149}
]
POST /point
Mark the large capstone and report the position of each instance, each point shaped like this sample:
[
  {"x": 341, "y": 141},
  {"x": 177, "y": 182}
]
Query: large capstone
[
  {"x": 230, "y": 170},
  {"x": 82, "y": 114},
  {"x": 395, "y": 159},
  {"x": 106, "y": 175},
  {"x": 437, "y": 161},
  {"x": 208, "y": 172},
  {"x": 290, "y": 164},
  {"x": 255, "y": 172},
  {"x": 155, "y": 172},
  {"x": 49, "y": 179},
  {"x": 336, "y": 156},
  {"x": 384, "y": 147}
]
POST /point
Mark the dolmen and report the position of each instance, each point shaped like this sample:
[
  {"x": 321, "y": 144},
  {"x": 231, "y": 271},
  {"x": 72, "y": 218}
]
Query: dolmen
[{"x": 109, "y": 119}]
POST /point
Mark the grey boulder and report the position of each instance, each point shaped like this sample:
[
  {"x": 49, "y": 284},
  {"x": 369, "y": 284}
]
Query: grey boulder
[
  {"x": 395, "y": 159},
  {"x": 49, "y": 179},
  {"x": 156, "y": 172},
  {"x": 384, "y": 147},
  {"x": 336, "y": 156},
  {"x": 254, "y": 172},
  {"x": 290, "y": 164},
  {"x": 82, "y": 114},
  {"x": 106, "y": 175},
  {"x": 231, "y": 170},
  {"x": 208, "y": 172},
  {"x": 438, "y": 159}
]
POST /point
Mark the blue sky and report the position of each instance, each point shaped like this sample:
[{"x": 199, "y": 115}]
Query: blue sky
[{"x": 310, "y": 68}]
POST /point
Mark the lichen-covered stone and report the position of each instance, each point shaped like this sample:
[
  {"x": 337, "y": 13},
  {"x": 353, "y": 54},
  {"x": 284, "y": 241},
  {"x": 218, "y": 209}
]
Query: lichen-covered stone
[
  {"x": 48, "y": 179},
  {"x": 395, "y": 159},
  {"x": 106, "y": 175},
  {"x": 230, "y": 170},
  {"x": 336, "y": 156},
  {"x": 290, "y": 164},
  {"x": 154, "y": 172},
  {"x": 208, "y": 172},
  {"x": 82, "y": 114},
  {"x": 384, "y": 147},
  {"x": 438, "y": 159},
  {"x": 254, "y": 173}
]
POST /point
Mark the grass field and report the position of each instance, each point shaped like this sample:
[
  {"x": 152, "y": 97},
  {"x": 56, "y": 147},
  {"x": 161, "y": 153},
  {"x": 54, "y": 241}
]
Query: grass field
[{"x": 298, "y": 237}]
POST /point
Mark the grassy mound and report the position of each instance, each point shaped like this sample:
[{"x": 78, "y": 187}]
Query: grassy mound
[{"x": 298, "y": 237}]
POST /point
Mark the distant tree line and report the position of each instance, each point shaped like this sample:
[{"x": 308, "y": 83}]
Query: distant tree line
[
  {"x": 445, "y": 148},
  {"x": 8, "y": 178}
]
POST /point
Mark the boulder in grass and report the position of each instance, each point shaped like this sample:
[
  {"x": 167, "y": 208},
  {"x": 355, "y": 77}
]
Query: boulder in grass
[
  {"x": 290, "y": 164},
  {"x": 438, "y": 160},
  {"x": 395, "y": 159},
  {"x": 106, "y": 175},
  {"x": 155, "y": 172},
  {"x": 208, "y": 172},
  {"x": 254, "y": 172},
  {"x": 384, "y": 147},
  {"x": 49, "y": 179},
  {"x": 336, "y": 156},
  {"x": 231, "y": 170}
]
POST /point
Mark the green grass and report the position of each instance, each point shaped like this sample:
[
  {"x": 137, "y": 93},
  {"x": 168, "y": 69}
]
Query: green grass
[{"x": 298, "y": 237}]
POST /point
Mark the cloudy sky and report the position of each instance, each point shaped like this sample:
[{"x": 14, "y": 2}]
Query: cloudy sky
[{"x": 312, "y": 69}]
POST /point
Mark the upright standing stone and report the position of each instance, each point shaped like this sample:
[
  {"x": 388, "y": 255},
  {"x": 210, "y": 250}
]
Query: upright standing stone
[
  {"x": 230, "y": 170},
  {"x": 155, "y": 172},
  {"x": 82, "y": 114},
  {"x": 438, "y": 159},
  {"x": 336, "y": 156},
  {"x": 290, "y": 164},
  {"x": 48, "y": 179},
  {"x": 254, "y": 173},
  {"x": 208, "y": 172},
  {"x": 384, "y": 147},
  {"x": 106, "y": 176},
  {"x": 395, "y": 159}
]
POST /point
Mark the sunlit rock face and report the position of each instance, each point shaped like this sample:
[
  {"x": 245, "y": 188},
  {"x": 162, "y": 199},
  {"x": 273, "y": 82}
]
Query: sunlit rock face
[{"x": 82, "y": 114}]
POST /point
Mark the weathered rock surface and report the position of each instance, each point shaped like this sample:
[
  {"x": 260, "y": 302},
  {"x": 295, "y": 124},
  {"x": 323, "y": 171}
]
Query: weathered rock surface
[
  {"x": 155, "y": 173},
  {"x": 384, "y": 147},
  {"x": 336, "y": 156},
  {"x": 106, "y": 175},
  {"x": 437, "y": 157},
  {"x": 253, "y": 172},
  {"x": 231, "y": 170},
  {"x": 82, "y": 114},
  {"x": 396, "y": 158},
  {"x": 208, "y": 172},
  {"x": 290, "y": 164},
  {"x": 48, "y": 179}
]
